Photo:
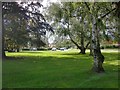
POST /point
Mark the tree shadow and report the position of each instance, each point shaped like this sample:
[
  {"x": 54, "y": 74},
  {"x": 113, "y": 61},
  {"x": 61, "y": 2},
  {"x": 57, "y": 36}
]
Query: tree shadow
[
  {"x": 12, "y": 58},
  {"x": 74, "y": 68}
]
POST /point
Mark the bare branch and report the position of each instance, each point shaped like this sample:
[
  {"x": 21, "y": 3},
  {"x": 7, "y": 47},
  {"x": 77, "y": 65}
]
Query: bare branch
[
  {"x": 87, "y": 44},
  {"x": 87, "y": 6},
  {"x": 108, "y": 13}
]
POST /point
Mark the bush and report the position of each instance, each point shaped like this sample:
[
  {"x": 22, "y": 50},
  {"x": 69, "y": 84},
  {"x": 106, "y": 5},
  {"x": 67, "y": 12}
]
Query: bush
[
  {"x": 42, "y": 49},
  {"x": 49, "y": 48},
  {"x": 102, "y": 47},
  {"x": 25, "y": 49}
]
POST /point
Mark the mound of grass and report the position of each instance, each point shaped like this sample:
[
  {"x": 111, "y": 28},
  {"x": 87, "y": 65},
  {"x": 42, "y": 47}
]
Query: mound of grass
[{"x": 58, "y": 69}]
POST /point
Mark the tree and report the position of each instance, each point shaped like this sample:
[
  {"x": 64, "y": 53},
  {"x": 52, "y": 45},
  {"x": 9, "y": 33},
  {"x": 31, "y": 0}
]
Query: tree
[
  {"x": 64, "y": 14},
  {"x": 80, "y": 34},
  {"x": 27, "y": 11},
  {"x": 94, "y": 9},
  {"x": 95, "y": 12},
  {"x": 14, "y": 28}
]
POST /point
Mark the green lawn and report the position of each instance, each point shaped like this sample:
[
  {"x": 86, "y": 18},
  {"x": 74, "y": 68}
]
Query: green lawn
[{"x": 58, "y": 69}]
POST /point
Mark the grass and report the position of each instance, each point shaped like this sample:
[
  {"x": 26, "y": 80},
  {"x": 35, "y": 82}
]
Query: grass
[{"x": 58, "y": 69}]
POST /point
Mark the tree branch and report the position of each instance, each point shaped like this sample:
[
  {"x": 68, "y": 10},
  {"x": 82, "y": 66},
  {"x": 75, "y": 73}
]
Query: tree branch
[
  {"x": 87, "y": 44},
  {"x": 108, "y": 13},
  {"x": 87, "y": 6},
  {"x": 103, "y": 15},
  {"x": 74, "y": 42}
]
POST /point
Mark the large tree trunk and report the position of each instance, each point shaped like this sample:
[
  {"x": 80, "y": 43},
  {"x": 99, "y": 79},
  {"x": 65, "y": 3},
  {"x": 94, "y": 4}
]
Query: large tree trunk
[
  {"x": 82, "y": 44},
  {"x": 82, "y": 50},
  {"x": 97, "y": 55},
  {"x": 91, "y": 51},
  {"x": 3, "y": 30},
  {"x": 0, "y": 29},
  {"x": 98, "y": 60}
]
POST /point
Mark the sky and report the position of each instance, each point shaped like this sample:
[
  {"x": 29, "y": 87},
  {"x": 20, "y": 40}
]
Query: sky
[{"x": 45, "y": 3}]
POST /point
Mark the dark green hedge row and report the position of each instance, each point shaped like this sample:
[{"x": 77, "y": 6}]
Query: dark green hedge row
[{"x": 110, "y": 46}]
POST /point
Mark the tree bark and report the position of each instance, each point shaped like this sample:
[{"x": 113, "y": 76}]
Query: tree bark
[
  {"x": 82, "y": 43},
  {"x": 3, "y": 32},
  {"x": 74, "y": 42},
  {"x": 91, "y": 51},
  {"x": 82, "y": 50},
  {"x": 97, "y": 55}
]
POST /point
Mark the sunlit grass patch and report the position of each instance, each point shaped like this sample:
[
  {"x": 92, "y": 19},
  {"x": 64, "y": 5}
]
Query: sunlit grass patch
[
  {"x": 115, "y": 62},
  {"x": 56, "y": 69}
]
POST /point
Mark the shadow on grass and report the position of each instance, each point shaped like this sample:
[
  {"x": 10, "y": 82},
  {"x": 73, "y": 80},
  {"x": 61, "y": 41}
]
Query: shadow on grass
[
  {"x": 71, "y": 54},
  {"x": 52, "y": 71},
  {"x": 12, "y": 58}
]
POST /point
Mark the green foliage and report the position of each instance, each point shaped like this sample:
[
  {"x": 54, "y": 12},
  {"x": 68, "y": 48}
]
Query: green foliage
[
  {"x": 14, "y": 28},
  {"x": 72, "y": 20},
  {"x": 64, "y": 43},
  {"x": 19, "y": 21},
  {"x": 55, "y": 11}
]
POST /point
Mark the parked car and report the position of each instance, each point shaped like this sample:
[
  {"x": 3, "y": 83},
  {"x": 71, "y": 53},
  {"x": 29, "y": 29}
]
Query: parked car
[
  {"x": 62, "y": 49},
  {"x": 33, "y": 49},
  {"x": 54, "y": 49}
]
